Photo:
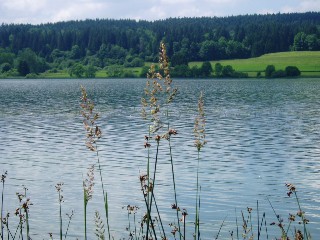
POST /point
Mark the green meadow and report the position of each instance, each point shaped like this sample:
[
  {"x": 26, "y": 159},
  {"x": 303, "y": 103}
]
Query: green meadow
[{"x": 307, "y": 62}]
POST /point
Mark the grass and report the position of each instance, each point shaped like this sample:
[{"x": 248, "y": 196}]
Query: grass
[
  {"x": 307, "y": 62},
  {"x": 102, "y": 73},
  {"x": 156, "y": 103}
]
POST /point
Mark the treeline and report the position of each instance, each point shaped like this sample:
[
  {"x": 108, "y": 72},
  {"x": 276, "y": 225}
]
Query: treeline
[
  {"x": 103, "y": 43},
  {"x": 207, "y": 71}
]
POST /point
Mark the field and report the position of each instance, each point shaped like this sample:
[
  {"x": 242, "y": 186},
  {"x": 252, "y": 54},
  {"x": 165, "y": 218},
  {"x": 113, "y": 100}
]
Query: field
[
  {"x": 102, "y": 73},
  {"x": 307, "y": 62}
]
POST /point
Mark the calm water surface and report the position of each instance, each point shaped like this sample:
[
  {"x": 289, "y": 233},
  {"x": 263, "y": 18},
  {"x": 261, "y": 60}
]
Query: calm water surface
[{"x": 261, "y": 134}]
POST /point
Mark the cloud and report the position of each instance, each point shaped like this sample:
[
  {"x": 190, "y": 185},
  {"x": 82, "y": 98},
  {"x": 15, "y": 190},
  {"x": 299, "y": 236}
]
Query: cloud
[
  {"x": 24, "y": 5},
  {"x": 76, "y": 11},
  {"x": 176, "y": 2},
  {"x": 310, "y": 5},
  {"x": 42, "y": 11}
]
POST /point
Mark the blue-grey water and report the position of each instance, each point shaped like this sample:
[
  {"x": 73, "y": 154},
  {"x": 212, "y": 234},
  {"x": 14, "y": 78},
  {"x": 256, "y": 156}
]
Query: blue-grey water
[{"x": 261, "y": 134}]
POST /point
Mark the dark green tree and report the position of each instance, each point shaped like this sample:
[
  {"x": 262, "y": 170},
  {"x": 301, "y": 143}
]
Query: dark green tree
[
  {"x": 227, "y": 71},
  {"x": 218, "y": 69},
  {"x": 313, "y": 42},
  {"x": 208, "y": 50},
  {"x": 90, "y": 71},
  {"x": 23, "y": 68},
  {"x": 115, "y": 71},
  {"x": 179, "y": 58},
  {"x": 5, "y": 67},
  {"x": 77, "y": 70},
  {"x": 292, "y": 71},
  {"x": 195, "y": 72},
  {"x": 144, "y": 71},
  {"x": 29, "y": 58},
  {"x": 181, "y": 71},
  {"x": 279, "y": 74},
  {"x": 299, "y": 43},
  {"x": 206, "y": 69},
  {"x": 75, "y": 52},
  {"x": 270, "y": 69},
  {"x": 6, "y": 56}
]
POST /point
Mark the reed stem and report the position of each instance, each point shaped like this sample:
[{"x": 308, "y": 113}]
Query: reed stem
[
  {"x": 85, "y": 214},
  {"x": 148, "y": 180},
  {"x": 1, "y": 217},
  {"x": 60, "y": 215},
  {"x": 105, "y": 194},
  {"x": 305, "y": 232},
  {"x": 196, "y": 224},
  {"x": 70, "y": 217},
  {"x": 174, "y": 187}
]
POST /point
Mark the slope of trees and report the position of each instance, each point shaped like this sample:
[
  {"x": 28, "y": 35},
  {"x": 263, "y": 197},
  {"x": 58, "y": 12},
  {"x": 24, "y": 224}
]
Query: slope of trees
[{"x": 105, "y": 42}]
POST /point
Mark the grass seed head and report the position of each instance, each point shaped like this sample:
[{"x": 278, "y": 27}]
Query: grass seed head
[
  {"x": 200, "y": 125},
  {"x": 158, "y": 91},
  {"x": 88, "y": 184},
  {"x": 3, "y": 176},
  {"x": 93, "y": 132}
]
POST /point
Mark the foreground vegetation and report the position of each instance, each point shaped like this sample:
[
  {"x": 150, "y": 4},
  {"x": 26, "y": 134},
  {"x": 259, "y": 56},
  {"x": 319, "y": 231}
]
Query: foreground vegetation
[{"x": 156, "y": 110}]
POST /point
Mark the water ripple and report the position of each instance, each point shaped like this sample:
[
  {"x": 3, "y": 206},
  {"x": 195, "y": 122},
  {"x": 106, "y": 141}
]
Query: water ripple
[{"x": 261, "y": 134}]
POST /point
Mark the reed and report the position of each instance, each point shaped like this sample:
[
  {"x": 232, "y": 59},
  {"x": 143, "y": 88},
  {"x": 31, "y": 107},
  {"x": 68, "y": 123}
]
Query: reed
[
  {"x": 3, "y": 179},
  {"x": 200, "y": 141},
  {"x": 70, "y": 218},
  {"x": 93, "y": 134},
  {"x": 159, "y": 94},
  {"x": 60, "y": 199},
  {"x": 88, "y": 184},
  {"x": 300, "y": 213},
  {"x": 99, "y": 231}
]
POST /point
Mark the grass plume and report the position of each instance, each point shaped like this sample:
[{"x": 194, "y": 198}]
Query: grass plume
[
  {"x": 93, "y": 133},
  {"x": 99, "y": 231},
  {"x": 159, "y": 93},
  {"x": 200, "y": 141},
  {"x": 88, "y": 184}
]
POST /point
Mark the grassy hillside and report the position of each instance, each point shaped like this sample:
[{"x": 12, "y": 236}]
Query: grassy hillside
[{"x": 307, "y": 62}]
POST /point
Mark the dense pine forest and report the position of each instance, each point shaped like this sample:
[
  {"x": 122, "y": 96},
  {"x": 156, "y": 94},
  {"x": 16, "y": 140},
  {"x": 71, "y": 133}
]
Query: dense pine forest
[{"x": 88, "y": 45}]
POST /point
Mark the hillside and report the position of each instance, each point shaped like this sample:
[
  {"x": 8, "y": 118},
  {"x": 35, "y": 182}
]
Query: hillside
[
  {"x": 307, "y": 62},
  {"x": 81, "y": 48}
]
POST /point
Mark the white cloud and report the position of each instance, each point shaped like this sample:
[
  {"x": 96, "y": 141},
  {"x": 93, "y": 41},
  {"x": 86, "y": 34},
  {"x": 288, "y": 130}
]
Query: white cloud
[
  {"x": 24, "y": 5},
  {"x": 176, "y": 1},
  {"x": 222, "y": 1},
  {"x": 302, "y": 6},
  {"x": 76, "y": 11},
  {"x": 42, "y": 11},
  {"x": 157, "y": 12},
  {"x": 308, "y": 5}
]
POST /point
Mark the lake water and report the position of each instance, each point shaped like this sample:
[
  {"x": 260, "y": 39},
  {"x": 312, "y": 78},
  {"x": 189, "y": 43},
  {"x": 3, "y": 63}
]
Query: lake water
[{"x": 261, "y": 134}]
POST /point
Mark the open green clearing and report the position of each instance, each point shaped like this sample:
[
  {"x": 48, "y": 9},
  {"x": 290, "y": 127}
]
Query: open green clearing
[{"x": 307, "y": 62}]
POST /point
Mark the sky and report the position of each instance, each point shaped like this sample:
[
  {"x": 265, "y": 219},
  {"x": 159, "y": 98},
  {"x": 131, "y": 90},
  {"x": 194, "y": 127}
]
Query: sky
[{"x": 50, "y": 11}]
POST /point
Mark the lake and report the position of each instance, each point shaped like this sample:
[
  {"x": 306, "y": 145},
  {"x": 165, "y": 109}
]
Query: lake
[{"x": 261, "y": 134}]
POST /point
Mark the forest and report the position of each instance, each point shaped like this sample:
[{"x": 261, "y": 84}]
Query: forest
[{"x": 83, "y": 47}]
